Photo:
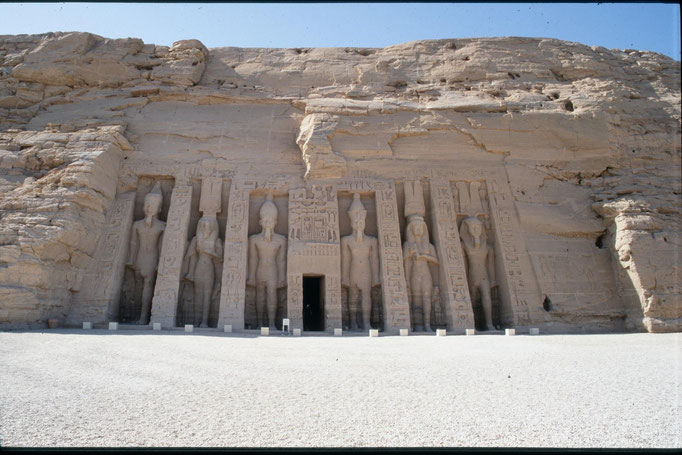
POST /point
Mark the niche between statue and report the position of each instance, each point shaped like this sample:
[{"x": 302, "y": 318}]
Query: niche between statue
[
  {"x": 477, "y": 239},
  {"x": 202, "y": 265},
  {"x": 266, "y": 293},
  {"x": 422, "y": 264},
  {"x": 152, "y": 201},
  {"x": 361, "y": 295}
]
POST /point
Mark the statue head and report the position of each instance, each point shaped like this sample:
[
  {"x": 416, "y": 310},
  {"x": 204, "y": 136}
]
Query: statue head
[
  {"x": 474, "y": 228},
  {"x": 417, "y": 230},
  {"x": 268, "y": 214},
  {"x": 153, "y": 201},
  {"x": 207, "y": 226},
  {"x": 357, "y": 214}
]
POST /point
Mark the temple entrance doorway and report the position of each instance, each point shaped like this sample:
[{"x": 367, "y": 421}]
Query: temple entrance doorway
[{"x": 313, "y": 303}]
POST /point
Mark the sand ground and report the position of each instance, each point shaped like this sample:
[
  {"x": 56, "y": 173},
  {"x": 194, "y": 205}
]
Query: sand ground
[{"x": 68, "y": 387}]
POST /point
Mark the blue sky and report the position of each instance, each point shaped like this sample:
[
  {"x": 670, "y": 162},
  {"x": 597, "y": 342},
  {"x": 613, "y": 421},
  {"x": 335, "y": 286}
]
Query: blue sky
[{"x": 643, "y": 26}]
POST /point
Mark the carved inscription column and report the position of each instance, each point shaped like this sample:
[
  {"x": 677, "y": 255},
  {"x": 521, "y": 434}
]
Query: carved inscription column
[
  {"x": 165, "y": 301},
  {"x": 99, "y": 299},
  {"x": 396, "y": 303},
  {"x": 453, "y": 283},
  {"x": 518, "y": 280},
  {"x": 233, "y": 289}
]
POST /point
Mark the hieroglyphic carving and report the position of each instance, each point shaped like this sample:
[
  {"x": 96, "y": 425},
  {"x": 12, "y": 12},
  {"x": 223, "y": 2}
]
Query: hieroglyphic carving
[
  {"x": 314, "y": 249},
  {"x": 98, "y": 301},
  {"x": 519, "y": 288},
  {"x": 312, "y": 216},
  {"x": 295, "y": 299},
  {"x": 233, "y": 290},
  {"x": 397, "y": 310},
  {"x": 454, "y": 290},
  {"x": 164, "y": 303}
]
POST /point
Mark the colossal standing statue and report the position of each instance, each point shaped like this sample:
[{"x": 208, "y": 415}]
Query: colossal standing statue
[
  {"x": 359, "y": 265},
  {"x": 145, "y": 247},
  {"x": 204, "y": 249},
  {"x": 267, "y": 264},
  {"x": 481, "y": 270},
  {"x": 421, "y": 259}
]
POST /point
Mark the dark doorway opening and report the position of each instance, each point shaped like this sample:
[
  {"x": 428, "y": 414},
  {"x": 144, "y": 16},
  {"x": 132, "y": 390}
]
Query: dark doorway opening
[{"x": 313, "y": 303}]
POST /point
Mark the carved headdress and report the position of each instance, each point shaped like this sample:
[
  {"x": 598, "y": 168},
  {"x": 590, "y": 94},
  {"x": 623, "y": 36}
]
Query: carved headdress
[
  {"x": 357, "y": 210},
  {"x": 268, "y": 209},
  {"x": 414, "y": 201},
  {"x": 155, "y": 194}
]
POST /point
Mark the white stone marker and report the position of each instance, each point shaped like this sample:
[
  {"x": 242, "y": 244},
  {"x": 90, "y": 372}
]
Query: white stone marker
[
  {"x": 285, "y": 325},
  {"x": 113, "y": 326},
  {"x": 470, "y": 331},
  {"x": 338, "y": 332},
  {"x": 297, "y": 332},
  {"x": 265, "y": 331},
  {"x": 404, "y": 332},
  {"x": 374, "y": 332},
  {"x": 510, "y": 332},
  {"x": 534, "y": 331},
  {"x": 441, "y": 332},
  {"x": 87, "y": 325},
  {"x": 228, "y": 328},
  {"x": 157, "y": 326},
  {"x": 189, "y": 328}
]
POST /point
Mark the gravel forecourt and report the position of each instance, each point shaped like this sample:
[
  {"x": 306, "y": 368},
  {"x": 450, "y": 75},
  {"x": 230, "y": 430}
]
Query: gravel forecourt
[{"x": 99, "y": 388}]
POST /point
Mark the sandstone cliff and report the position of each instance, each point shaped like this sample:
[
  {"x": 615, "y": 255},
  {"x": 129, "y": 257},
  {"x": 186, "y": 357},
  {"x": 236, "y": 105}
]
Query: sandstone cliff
[{"x": 589, "y": 138}]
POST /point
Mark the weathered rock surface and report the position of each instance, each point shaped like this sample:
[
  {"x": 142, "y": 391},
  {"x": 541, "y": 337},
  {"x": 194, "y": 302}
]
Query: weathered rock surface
[{"x": 589, "y": 139}]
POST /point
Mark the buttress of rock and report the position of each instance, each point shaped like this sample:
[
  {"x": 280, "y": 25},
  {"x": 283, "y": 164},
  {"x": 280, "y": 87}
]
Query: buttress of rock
[{"x": 313, "y": 140}]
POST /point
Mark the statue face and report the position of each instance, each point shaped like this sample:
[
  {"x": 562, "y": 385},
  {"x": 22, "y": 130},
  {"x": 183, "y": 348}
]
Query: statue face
[
  {"x": 205, "y": 228},
  {"x": 418, "y": 228},
  {"x": 268, "y": 222},
  {"x": 152, "y": 206},
  {"x": 359, "y": 224},
  {"x": 476, "y": 229}
]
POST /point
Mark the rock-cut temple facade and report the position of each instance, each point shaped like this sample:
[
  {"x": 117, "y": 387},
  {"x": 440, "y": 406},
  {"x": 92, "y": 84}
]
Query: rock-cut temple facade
[{"x": 450, "y": 184}]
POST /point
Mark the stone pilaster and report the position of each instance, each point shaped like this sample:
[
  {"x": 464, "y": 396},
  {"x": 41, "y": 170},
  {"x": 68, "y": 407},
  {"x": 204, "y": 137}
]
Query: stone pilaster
[
  {"x": 453, "y": 283},
  {"x": 165, "y": 301},
  {"x": 396, "y": 304},
  {"x": 517, "y": 283},
  {"x": 233, "y": 288},
  {"x": 99, "y": 299},
  {"x": 295, "y": 299}
]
